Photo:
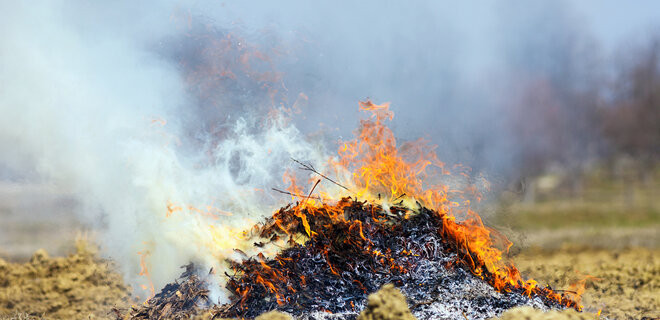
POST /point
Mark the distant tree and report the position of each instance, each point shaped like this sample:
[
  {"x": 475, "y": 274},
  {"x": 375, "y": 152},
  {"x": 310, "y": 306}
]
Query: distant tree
[
  {"x": 557, "y": 79},
  {"x": 632, "y": 122}
]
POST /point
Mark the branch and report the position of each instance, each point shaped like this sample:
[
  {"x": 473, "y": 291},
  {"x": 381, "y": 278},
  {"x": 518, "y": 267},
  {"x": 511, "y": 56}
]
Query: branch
[
  {"x": 297, "y": 195},
  {"x": 311, "y": 191},
  {"x": 309, "y": 167}
]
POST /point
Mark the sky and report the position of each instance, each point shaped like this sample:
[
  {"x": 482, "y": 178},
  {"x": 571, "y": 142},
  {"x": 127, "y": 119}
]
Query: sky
[
  {"x": 613, "y": 22},
  {"x": 432, "y": 60}
]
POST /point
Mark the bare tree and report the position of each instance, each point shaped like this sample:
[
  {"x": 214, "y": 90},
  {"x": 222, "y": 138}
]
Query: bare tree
[
  {"x": 631, "y": 118},
  {"x": 632, "y": 122},
  {"x": 557, "y": 79}
]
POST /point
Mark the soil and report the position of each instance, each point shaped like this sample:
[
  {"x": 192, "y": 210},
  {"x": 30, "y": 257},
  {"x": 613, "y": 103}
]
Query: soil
[
  {"x": 274, "y": 315},
  {"x": 529, "y": 313},
  {"x": 74, "y": 287},
  {"x": 83, "y": 286},
  {"x": 387, "y": 303},
  {"x": 627, "y": 284}
]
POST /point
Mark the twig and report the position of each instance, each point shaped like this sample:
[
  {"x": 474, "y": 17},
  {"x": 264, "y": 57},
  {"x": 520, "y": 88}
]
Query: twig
[
  {"x": 421, "y": 303},
  {"x": 309, "y": 167},
  {"x": 399, "y": 197},
  {"x": 569, "y": 291},
  {"x": 311, "y": 191},
  {"x": 296, "y": 195}
]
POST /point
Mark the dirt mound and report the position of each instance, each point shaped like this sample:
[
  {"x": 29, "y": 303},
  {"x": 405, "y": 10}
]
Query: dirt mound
[
  {"x": 274, "y": 315},
  {"x": 78, "y": 286},
  {"x": 388, "y": 303}
]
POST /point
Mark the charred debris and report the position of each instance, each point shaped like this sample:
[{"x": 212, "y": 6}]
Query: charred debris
[{"x": 350, "y": 250}]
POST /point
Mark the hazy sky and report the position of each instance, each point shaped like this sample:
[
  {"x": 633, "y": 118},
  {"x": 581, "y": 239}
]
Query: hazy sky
[
  {"x": 613, "y": 21},
  {"x": 426, "y": 57}
]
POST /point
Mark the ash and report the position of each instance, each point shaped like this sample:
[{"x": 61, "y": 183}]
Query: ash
[
  {"x": 439, "y": 293},
  {"x": 456, "y": 294}
]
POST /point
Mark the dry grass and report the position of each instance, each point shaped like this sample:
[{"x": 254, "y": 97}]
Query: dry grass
[{"x": 21, "y": 316}]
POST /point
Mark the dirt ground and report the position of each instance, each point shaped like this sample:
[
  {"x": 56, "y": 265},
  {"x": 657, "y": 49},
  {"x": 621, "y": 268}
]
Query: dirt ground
[
  {"x": 626, "y": 284},
  {"x": 82, "y": 286}
]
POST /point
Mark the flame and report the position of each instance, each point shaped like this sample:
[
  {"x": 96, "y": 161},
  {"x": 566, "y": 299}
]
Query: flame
[
  {"x": 374, "y": 168},
  {"x": 209, "y": 211},
  {"x": 144, "y": 271},
  {"x": 578, "y": 287}
]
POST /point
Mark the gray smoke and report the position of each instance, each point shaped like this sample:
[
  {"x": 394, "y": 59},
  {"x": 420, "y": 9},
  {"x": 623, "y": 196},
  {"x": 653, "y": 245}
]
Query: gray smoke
[
  {"x": 132, "y": 106},
  {"x": 95, "y": 111}
]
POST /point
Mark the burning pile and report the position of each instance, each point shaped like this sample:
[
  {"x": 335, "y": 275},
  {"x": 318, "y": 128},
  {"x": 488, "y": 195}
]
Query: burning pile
[
  {"x": 355, "y": 248},
  {"x": 392, "y": 224}
]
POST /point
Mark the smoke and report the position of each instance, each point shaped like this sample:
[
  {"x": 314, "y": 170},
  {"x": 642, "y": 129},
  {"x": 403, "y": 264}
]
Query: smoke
[
  {"x": 97, "y": 113},
  {"x": 140, "y": 107}
]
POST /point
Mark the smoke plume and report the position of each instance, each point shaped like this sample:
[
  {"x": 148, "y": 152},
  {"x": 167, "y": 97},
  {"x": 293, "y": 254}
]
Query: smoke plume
[{"x": 171, "y": 121}]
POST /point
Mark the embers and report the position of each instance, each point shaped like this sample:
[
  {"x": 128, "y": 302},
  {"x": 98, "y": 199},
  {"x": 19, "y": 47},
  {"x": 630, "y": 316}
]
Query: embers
[
  {"x": 350, "y": 253},
  {"x": 353, "y": 251}
]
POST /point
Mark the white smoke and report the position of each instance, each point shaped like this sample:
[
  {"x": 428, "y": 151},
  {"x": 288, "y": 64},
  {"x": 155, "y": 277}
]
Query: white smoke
[
  {"x": 101, "y": 116},
  {"x": 88, "y": 103}
]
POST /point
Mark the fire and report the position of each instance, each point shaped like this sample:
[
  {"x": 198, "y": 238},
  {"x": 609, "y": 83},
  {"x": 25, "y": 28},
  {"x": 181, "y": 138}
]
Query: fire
[
  {"x": 374, "y": 168},
  {"x": 144, "y": 271},
  {"x": 208, "y": 211},
  {"x": 379, "y": 167},
  {"x": 379, "y": 179}
]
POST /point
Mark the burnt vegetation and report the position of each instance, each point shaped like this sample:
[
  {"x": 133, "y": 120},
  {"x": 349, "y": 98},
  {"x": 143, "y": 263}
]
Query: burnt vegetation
[
  {"x": 177, "y": 300},
  {"x": 339, "y": 254}
]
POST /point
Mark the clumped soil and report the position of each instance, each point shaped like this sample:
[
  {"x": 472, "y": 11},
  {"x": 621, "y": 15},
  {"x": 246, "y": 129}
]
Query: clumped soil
[
  {"x": 628, "y": 280},
  {"x": 386, "y": 303},
  {"x": 529, "y": 313},
  {"x": 74, "y": 287}
]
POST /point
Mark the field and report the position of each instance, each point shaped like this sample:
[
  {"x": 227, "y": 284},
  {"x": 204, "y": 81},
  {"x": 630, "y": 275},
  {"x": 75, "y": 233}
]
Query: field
[
  {"x": 602, "y": 234},
  {"x": 610, "y": 232}
]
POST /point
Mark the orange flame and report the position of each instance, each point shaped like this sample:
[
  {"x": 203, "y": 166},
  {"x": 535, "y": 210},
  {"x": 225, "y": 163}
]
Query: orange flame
[
  {"x": 211, "y": 211},
  {"x": 578, "y": 287},
  {"x": 413, "y": 172},
  {"x": 373, "y": 167},
  {"x": 144, "y": 271}
]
